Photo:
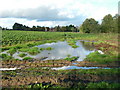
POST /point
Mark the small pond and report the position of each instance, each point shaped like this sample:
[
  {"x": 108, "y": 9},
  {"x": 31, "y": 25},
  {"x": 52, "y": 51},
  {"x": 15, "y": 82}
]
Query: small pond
[{"x": 61, "y": 50}]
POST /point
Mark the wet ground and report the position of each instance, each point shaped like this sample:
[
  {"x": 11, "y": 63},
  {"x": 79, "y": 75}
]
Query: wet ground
[
  {"x": 60, "y": 50},
  {"x": 38, "y": 71}
]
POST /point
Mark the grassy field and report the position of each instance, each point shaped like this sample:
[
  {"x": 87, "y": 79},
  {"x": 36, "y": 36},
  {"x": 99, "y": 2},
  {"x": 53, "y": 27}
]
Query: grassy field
[
  {"x": 10, "y": 38},
  {"x": 46, "y": 78}
]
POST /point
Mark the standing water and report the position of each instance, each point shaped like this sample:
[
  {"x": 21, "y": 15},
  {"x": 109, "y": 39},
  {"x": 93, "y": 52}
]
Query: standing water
[{"x": 61, "y": 50}]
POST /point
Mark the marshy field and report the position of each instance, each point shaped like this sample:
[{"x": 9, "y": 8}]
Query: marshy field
[{"x": 67, "y": 60}]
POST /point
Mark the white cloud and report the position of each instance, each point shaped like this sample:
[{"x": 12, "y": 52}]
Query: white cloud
[{"x": 54, "y": 12}]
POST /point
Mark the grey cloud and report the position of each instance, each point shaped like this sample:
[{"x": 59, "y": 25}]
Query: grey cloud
[{"x": 43, "y": 13}]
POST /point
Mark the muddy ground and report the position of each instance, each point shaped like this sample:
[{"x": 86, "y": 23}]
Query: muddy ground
[{"x": 32, "y": 72}]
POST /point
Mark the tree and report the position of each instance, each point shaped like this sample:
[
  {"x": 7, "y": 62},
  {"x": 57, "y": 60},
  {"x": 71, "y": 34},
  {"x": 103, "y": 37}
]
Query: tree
[
  {"x": 0, "y": 28},
  {"x": 63, "y": 29},
  {"x": 115, "y": 23},
  {"x": 17, "y": 26},
  {"x": 90, "y": 26},
  {"x": 107, "y": 24},
  {"x": 81, "y": 29},
  {"x": 118, "y": 24}
]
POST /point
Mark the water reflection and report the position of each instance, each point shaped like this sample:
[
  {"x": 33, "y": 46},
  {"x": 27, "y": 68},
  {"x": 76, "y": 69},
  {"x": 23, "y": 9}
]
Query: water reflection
[
  {"x": 61, "y": 50},
  {"x": 76, "y": 67}
]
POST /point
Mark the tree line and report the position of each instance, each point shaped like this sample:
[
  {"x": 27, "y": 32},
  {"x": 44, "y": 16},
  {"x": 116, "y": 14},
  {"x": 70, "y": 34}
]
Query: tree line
[
  {"x": 70, "y": 28},
  {"x": 90, "y": 25},
  {"x": 109, "y": 24}
]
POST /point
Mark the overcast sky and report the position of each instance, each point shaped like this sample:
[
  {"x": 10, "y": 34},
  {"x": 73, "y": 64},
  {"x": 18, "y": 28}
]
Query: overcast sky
[{"x": 54, "y": 12}]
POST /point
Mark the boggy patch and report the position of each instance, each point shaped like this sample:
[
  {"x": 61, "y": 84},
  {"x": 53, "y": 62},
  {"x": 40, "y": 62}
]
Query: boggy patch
[{"x": 105, "y": 46}]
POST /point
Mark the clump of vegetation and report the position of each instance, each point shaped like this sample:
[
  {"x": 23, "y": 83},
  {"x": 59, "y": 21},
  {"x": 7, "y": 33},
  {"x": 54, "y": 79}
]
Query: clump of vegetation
[
  {"x": 72, "y": 43},
  {"x": 17, "y": 59},
  {"x": 71, "y": 58},
  {"x": 27, "y": 58},
  {"x": 100, "y": 58},
  {"x": 24, "y": 49},
  {"x": 38, "y": 86},
  {"x": 5, "y": 57},
  {"x": 103, "y": 85},
  {"x": 112, "y": 71},
  {"x": 68, "y": 55},
  {"x": 30, "y": 44},
  {"x": 22, "y": 54},
  {"x": 12, "y": 51},
  {"x": 11, "y": 73},
  {"x": 49, "y": 48},
  {"x": 42, "y": 49},
  {"x": 41, "y": 86},
  {"x": 33, "y": 51}
]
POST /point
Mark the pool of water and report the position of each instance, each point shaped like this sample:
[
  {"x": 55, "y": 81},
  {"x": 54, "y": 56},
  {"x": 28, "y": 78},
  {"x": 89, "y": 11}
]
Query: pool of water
[
  {"x": 61, "y": 50},
  {"x": 4, "y": 69},
  {"x": 76, "y": 67}
]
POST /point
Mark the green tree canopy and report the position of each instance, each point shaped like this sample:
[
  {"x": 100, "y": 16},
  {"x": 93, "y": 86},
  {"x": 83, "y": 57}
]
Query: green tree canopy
[
  {"x": 90, "y": 26},
  {"x": 107, "y": 24}
]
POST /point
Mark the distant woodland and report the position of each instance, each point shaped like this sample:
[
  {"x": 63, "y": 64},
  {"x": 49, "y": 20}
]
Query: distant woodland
[{"x": 109, "y": 24}]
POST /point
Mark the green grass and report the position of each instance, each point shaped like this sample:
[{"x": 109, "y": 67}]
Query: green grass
[
  {"x": 42, "y": 49},
  {"x": 71, "y": 58},
  {"x": 5, "y": 57},
  {"x": 27, "y": 58},
  {"x": 12, "y": 51},
  {"x": 22, "y": 55},
  {"x": 33, "y": 51},
  {"x": 72, "y": 43},
  {"x": 103, "y": 85},
  {"x": 24, "y": 49},
  {"x": 49, "y": 48},
  {"x": 112, "y": 71},
  {"x": 31, "y": 38},
  {"x": 100, "y": 58}
]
